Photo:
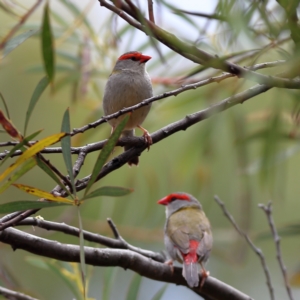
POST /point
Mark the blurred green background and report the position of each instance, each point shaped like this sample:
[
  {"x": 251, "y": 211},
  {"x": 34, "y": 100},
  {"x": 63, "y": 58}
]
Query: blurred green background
[{"x": 246, "y": 155}]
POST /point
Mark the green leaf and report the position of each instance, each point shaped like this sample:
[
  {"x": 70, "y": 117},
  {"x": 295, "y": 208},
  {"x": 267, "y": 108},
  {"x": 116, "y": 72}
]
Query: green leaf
[
  {"x": 48, "y": 171},
  {"x": 113, "y": 191},
  {"x": 28, "y": 165},
  {"x": 106, "y": 151},
  {"x": 160, "y": 293},
  {"x": 20, "y": 145},
  {"x": 17, "y": 40},
  {"x": 41, "y": 86},
  {"x": 10, "y": 207},
  {"x": 66, "y": 147},
  {"x": 82, "y": 255},
  {"x": 47, "y": 45},
  {"x": 134, "y": 287}
]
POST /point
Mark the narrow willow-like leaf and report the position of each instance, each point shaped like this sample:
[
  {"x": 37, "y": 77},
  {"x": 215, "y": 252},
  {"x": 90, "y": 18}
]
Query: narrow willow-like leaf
[
  {"x": 106, "y": 151},
  {"x": 113, "y": 191},
  {"x": 17, "y": 40},
  {"x": 42, "y": 194},
  {"x": 40, "y": 145},
  {"x": 158, "y": 295},
  {"x": 134, "y": 287},
  {"x": 20, "y": 145},
  {"x": 41, "y": 86},
  {"x": 28, "y": 165},
  {"x": 48, "y": 171},
  {"x": 66, "y": 147},
  {"x": 82, "y": 256},
  {"x": 47, "y": 45},
  {"x": 26, "y": 204}
]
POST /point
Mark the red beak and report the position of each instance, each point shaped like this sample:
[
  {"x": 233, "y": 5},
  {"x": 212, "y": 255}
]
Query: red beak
[{"x": 144, "y": 58}]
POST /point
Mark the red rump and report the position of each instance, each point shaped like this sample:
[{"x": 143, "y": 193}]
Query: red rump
[{"x": 192, "y": 256}]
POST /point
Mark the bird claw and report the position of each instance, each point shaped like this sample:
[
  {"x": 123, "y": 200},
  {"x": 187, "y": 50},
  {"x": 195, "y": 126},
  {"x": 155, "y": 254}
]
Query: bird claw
[
  {"x": 204, "y": 275},
  {"x": 147, "y": 137},
  {"x": 170, "y": 263}
]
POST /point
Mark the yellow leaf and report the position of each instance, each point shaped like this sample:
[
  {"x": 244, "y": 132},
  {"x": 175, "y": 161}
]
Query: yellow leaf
[
  {"x": 40, "y": 145},
  {"x": 42, "y": 194}
]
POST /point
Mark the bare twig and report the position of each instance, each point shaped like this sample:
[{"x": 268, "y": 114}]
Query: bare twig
[
  {"x": 197, "y": 55},
  {"x": 150, "y": 10},
  {"x": 157, "y": 136},
  {"x": 9, "y": 294},
  {"x": 199, "y": 14},
  {"x": 268, "y": 211},
  {"x": 254, "y": 248}
]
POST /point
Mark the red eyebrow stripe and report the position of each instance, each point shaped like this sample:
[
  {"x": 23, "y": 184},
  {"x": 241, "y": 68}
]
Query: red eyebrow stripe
[
  {"x": 130, "y": 55},
  {"x": 167, "y": 199}
]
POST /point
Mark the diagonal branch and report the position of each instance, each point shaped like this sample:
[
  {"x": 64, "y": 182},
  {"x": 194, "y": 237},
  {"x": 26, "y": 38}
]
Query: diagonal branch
[
  {"x": 212, "y": 289},
  {"x": 195, "y": 54},
  {"x": 117, "y": 243}
]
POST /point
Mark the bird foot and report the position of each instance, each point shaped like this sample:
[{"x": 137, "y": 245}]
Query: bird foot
[
  {"x": 147, "y": 137},
  {"x": 204, "y": 275},
  {"x": 170, "y": 263}
]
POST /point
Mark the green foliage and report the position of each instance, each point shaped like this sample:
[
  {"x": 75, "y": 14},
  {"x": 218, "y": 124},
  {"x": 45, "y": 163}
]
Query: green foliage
[{"x": 247, "y": 155}]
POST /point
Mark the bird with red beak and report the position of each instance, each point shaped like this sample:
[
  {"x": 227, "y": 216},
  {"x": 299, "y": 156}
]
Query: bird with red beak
[
  {"x": 129, "y": 84},
  {"x": 187, "y": 235}
]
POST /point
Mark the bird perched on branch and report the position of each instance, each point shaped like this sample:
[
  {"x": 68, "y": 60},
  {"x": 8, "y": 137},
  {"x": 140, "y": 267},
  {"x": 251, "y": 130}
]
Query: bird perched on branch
[
  {"x": 187, "y": 236},
  {"x": 129, "y": 84}
]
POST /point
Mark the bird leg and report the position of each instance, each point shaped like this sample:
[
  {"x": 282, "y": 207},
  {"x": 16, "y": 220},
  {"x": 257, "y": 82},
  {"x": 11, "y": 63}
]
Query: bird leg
[
  {"x": 204, "y": 275},
  {"x": 146, "y": 136}
]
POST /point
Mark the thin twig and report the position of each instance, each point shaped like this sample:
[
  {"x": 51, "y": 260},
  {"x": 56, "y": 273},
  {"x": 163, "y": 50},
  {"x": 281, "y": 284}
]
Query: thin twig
[
  {"x": 9, "y": 294},
  {"x": 254, "y": 248},
  {"x": 268, "y": 211},
  {"x": 197, "y": 55},
  {"x": 157, "y": 136},
  {"x": 150, "y": 10}
]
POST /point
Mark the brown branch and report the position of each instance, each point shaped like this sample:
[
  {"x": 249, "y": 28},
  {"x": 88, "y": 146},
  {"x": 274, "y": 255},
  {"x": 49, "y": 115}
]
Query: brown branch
[
  {"x": 253, "y": 247},
  {"x": 117, "y": 243},
  {"x": 197, "y": 55},
  {"x": 150, "y": 10},
  {"x": 157, "y": 136},
  {"x": 268, "y": 211},
  {"x": 212, "y": 289}
]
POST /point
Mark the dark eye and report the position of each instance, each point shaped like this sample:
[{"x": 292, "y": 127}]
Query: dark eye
[
  {"x": 173, "y": 199},
  {"x": 134, "y": 58}
]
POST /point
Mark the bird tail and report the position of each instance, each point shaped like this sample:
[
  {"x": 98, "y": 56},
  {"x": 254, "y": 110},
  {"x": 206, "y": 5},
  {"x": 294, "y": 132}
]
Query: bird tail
[
  {"x": 134, "y": 160},
  {"x": 190, "y": 273}
]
